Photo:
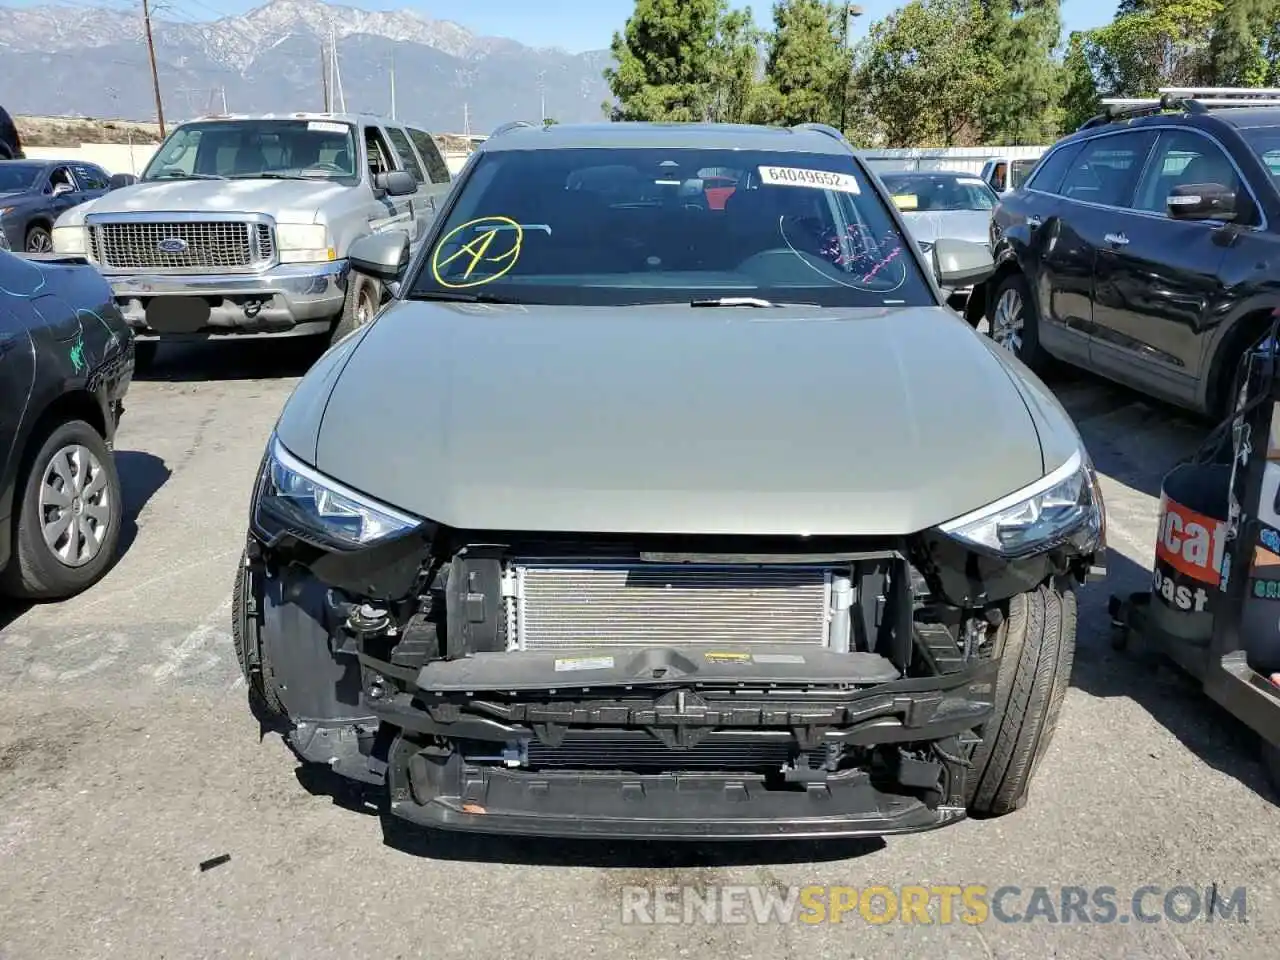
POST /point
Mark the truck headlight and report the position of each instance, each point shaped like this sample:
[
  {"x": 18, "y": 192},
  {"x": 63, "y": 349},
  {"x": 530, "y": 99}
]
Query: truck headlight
[
  {"x": 70, "y": 240},
  {"x": 304, "y": 243},
  {"x": 1065, "y": 505},
  {"x": 294, "y": 498}
]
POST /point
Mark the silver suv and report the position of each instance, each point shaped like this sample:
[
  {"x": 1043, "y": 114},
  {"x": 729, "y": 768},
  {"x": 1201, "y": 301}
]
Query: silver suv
[{"x": 240, "y": 225}]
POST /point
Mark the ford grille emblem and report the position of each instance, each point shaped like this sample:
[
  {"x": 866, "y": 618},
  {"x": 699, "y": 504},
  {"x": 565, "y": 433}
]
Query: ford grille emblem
[{"x": 172, "y": 245}]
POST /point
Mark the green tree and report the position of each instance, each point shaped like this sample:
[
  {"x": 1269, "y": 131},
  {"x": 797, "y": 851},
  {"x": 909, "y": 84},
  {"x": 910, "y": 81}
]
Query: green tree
[
  {"x": 807, "y": 66},
  {"x": 1153, "y": 44},
  {"x": 1079, "y": 89},
  {"x": 675, "y": 60},
  {"x": 921, "y": 76},
  {"x": 1245, "y": 48},
  {"x": 1015, "y": 40},
  {"x": 736, "y": 64}
]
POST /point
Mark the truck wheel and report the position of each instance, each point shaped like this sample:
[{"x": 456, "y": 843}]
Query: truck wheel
[
  {"x": 244, "y": 634},
  {"x": 1037, "y": 646},
  {"x": 1014, "y": 323},
  {"x": 39, "y": 239},
  {"x": 68, "y": 519},
  {"x": 364, "y": 295}
]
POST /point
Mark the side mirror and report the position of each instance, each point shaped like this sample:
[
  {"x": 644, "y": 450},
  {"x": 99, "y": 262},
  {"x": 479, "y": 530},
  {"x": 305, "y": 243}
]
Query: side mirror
[
  {"x": 119, "y": 180},
  {"x": 1202, "y": 201},
  {"x": 62, "y": 189},
  {"x": 396, "y": 183},
  {"x": 961, "y": 263},
  {"x": 380, "y": 255}
]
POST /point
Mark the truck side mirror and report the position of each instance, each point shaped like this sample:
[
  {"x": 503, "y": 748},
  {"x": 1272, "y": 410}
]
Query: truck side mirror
[{"x": 396, "y": 183}]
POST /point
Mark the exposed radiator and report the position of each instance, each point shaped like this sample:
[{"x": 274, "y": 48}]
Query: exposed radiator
[
  {"x": 554, "y": 606},
  {"x": 638, "y": 751}
]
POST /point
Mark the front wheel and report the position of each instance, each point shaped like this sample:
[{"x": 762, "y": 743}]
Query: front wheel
[
  {"x": 69, "y": 517},
  {"x": 364, "y": 296},
  {"x": 255, "y": 666},
  {"x": 1014, "y": 323},
  {"x": 1036, "y": 643},
  {"x": 39, "y": 240}
]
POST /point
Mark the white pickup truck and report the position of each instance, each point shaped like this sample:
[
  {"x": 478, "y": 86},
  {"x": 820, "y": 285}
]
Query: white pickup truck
[{"x": 240, "y": 225}]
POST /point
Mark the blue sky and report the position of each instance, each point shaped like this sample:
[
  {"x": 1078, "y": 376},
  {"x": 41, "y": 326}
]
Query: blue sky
[{"x": 575, "y": 25}]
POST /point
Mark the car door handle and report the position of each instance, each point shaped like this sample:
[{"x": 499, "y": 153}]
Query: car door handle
[
  {"x": 1116, "y": 239},
  {"x": 1034, "y": 222}
]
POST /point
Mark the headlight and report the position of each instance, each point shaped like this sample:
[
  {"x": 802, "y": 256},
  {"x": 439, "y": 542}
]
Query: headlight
[
  {"x": 69, "y": 240},
  {"x": 293, "y": 497},
  {"x": 303, "y": 243},
  {"x": 1064, "y": 505}
]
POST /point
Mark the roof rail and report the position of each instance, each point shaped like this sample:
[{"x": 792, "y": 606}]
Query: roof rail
[
  {"x": 826, "y": 128},
  {"x": 1194, "y": 100},
  {"x": 508, "y": 126}
]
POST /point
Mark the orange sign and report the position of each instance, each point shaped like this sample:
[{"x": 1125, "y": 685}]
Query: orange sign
[{"x": 1190, "y": 542}]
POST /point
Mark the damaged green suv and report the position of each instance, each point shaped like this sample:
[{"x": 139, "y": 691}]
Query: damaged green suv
[{"x": 655, "y": 503}]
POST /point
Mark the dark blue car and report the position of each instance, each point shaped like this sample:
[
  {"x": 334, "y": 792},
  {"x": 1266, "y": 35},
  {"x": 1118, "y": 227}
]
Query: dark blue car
[
  {"x": 34, "y": 192},
  {"x": 66, "y": 362}
]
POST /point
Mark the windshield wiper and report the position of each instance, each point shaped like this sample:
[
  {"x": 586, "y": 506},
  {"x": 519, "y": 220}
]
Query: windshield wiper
[
  {"x": 744, "y": 302},
  {"x": 451, "y": 296},
  {"x": 179, "y": 175},
  {"x": 273, "y": 175}
]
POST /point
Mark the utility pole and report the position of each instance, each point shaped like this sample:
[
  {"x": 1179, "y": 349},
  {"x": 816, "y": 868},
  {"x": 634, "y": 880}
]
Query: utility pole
[
  {"x": 466, "y": 120},
  {"x": 324, "y": 74},
  {"x": 542, "y": 96},
  {"x": 393, "y": 84},
  {"x": 155, "y": 75},
  {"x": 851, "y": 11},
  {"x": 224, "y": 100}
]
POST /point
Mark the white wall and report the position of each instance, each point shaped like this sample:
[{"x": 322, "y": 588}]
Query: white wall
[
  {"x": 123, "y": 158},
  {"x": 966, "y": 159}
]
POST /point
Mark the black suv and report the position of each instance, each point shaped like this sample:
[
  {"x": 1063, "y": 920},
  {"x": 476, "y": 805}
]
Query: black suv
[{"x": 1145, "y": 247}]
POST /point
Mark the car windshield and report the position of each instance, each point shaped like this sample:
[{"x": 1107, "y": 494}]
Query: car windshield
[
  {"x": 16, "y": 175},
  {"x": 624, "y": 226},
  {"x": 939, "y": 191},
  {"x": 1265, "y": 142},
  {"x": 249, "y": 149}
]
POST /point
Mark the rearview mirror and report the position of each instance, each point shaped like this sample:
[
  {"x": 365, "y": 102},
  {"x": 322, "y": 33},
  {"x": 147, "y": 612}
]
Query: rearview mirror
[
  {"x": 1202, "y": 201},
  {"x": 961, "y": 263},
  {"x": 380, "y": 255},
  {"x": 119, "y": 180},
  {"x": 396, "y": 183}
]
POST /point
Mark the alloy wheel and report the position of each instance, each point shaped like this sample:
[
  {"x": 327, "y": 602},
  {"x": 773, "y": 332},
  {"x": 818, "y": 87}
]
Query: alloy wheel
[
  {"x": 1007, "y": 321},
  {"x": 39, "y": 241}
]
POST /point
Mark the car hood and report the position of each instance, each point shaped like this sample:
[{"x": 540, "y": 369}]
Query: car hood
[
  {"x": 931, "y": 225},
  {"x": 668, "y": 419},
  {"x": 290, "y": 201}
]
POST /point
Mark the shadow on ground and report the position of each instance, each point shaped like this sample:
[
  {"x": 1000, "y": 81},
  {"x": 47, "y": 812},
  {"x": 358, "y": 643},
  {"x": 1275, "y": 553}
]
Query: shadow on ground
[
  {"x": 259, "y": 359},
  {"x": 141, "y": 475},
  {"x": 1172, "y": 698}
]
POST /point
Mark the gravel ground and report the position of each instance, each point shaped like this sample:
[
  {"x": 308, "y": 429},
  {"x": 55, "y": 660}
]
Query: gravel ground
[{"x": 128, "y": 757}]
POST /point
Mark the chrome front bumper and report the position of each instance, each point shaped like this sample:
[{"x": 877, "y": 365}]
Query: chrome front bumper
[{"x": 286, "y": 300}]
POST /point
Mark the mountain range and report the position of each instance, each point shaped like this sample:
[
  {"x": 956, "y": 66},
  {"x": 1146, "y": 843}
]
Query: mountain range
[{"x": 60, "y": 60}]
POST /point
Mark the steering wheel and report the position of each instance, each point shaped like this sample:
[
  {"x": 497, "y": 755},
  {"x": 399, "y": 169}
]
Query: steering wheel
[{"x": 325, "y": 165}]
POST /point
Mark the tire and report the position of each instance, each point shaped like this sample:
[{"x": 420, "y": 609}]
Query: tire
[
  {"x": 364, "y": 296},
  {"x": 1013, "y": 322},
  {"x": 1037, "y": 646},
  {"x": 144, "y": 354},
  {"x": 1271, "y": 764},
  {"x": 39, "y": 239},
  {"x": 89, "y": 544},
  {"x": 261, "y": 682}
]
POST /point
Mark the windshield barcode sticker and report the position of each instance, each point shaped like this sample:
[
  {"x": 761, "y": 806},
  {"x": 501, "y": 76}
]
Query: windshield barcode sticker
[
  {"x": 583, "y": 663},
  {"x": 814, "y": 179},
  {"x": 326, "y": 126}
]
